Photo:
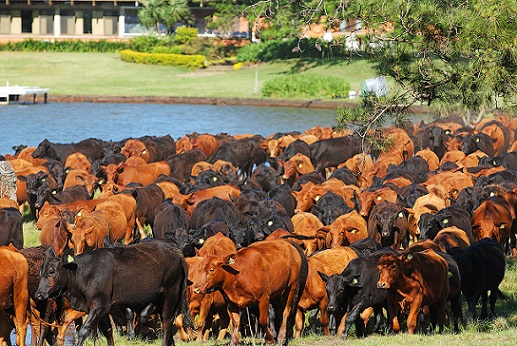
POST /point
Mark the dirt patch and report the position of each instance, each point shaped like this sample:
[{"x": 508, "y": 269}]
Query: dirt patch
[{"x": 206, "y": 72}]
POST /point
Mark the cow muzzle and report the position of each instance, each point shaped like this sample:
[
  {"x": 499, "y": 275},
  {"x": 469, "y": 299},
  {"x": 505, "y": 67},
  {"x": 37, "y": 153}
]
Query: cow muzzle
[{"x": 383, "y": 285}]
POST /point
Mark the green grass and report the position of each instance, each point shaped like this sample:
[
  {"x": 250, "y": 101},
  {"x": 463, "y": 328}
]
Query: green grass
[
  {"x": 105, "y": 74},
  {"x": 498, "y": 331}
]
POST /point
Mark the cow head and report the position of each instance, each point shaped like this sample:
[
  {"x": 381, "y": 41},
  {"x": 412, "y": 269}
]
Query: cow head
[
  {"x": 43, "y": 194},
  {"x": 210, "y": 273},
  {"x": 42, "y": 150},
  {"x": 335, "y": 286},
  {"x": 53, "y": 274},
  {"x": 389, "y": 270}
]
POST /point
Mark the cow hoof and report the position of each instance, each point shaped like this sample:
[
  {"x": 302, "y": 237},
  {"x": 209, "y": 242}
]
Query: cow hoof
[{"x": 282, "y": 342}]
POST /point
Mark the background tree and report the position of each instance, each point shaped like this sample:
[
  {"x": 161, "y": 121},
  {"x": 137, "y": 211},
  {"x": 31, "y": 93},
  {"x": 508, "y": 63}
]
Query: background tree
[
  {"x": 459, "y": 54},
  {"x": 164, "y": 12}
]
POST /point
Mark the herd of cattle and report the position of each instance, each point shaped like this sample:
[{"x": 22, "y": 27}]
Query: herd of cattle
[{"x": 194, "y": 233}]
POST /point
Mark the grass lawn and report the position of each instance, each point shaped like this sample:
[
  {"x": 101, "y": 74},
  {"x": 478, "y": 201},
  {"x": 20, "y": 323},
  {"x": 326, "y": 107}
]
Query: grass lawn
[{"x": 105, "y": 74}]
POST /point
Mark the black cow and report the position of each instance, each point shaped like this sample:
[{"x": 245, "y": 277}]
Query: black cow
[
  {"x": 388, "y": 225},
  {"x": 148, "y": 198},
  {"x": 214, "y": 208},
  {"x": 72, "y": 194},
  {"x": 410, "y": 193},
  {"x": 314, "y": 177},
  {"x": 97, "y": 281},
  {"x": 11, "y": 227},
  {"x": 207, "y": 179},
  {"x": 181, "y": 164},
  {"x": 478, "y": 141},
  {"x": 91, "y": 148},
  {"x": 282, "y": 194},
  {"x": 346, "y": 176},
  {"x": 482, "y": 267},
  {"x": 243, "y": 153},
  {"x": 169, "y": 216},
  {"x": 34, "y": 181},
  {"x": 354, "y": 290},
  {"x": 416, "y": 165},
  {"x": 57, "y": 170},
  {"x": 507, "y": 160},
  {"x": 267, "y": 177},
  {"x": 159, "y": 148},
  {"x": 329, "y": 207},
  {"x": 333, "y": 151},
  {"x": 431, "y": 224},
  {"x": 434, "y": 138},
  {"x": 298, "y": 146}
]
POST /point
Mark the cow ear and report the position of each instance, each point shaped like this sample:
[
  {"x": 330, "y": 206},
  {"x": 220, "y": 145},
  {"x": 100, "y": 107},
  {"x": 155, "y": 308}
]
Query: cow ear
[
  {"x": 354, "y": 282},
  {"x": 198, "y": 254},
  {"x": 323, "y": 276},
  {"x": 68, "y": 260}
]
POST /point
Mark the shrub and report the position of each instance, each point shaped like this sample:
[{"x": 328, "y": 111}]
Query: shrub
[
  {"x": 187, "y": 61},
  {"x": 306, "y": 85},
  {"x": 184, "y": 35},
  {"x": 167, "y": 50},
  {"x": 31, "y": 45},
  {"x": 249, "y": 52},
  {"x": 144, "y": 43}
]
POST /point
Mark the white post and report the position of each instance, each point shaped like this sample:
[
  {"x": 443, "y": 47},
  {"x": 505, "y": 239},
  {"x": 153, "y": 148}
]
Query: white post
[
  {"x": 256, "y": 88},
  {"x": 57, "y": 23},
  {"x": 121, "y": 23}
]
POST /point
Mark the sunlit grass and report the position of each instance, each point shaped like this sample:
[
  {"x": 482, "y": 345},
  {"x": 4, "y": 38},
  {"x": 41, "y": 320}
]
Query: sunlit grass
[{"x": 105, "y": 74}]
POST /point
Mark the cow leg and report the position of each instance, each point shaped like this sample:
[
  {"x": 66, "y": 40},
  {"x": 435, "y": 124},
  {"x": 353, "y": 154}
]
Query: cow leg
[
  {"x": 70, "y": 316},
  {"x": 107, "y": 330},
  {"x": 493, "y": 300},
  {"x": 324, "y": 316},
  {"x": 130, "y": 326},
  {"x": 412, "y": 318},
  {"x": 351, "y": 317},
  {"x": 236, "y": 321},
  {"x": 224, "y": 321},
  {"x": 484, "y": 297},
  {"x": 21, "y": 304},
  {"x": 263, "y": 320},
  {"x": 204, "y": 309},
  {"x": 97, "y": 311},
  {"x": 290, "y": 307},
  {"x": 298, "y": 323},
  {"x": 393, "y": 315}
]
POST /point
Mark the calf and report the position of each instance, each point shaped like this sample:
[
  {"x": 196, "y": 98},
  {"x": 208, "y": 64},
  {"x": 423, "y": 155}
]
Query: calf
[
  {"x": 482, "y": 267},
  {"x": 97, "y": 281},
  {"x": 11, "y": 227},
  {"x": 414, "y": 280},
  {"x": 354, "y": 290},
  {"x": 259, "y": 274}
]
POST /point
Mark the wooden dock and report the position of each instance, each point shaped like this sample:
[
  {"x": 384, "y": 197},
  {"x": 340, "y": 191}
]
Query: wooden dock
[{"x": 21, "y": 94}]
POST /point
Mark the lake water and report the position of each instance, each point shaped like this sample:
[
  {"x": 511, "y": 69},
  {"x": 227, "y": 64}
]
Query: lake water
[{"x": 72, "y": 122}]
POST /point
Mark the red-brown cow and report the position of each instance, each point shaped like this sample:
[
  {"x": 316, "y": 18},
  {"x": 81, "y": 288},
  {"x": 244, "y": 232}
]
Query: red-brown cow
[
  {"x": 369, "y": 199},
  {"x": 14, "y": 277},
  {"x": 78, "y": 161},
  {"x": 87, "y": 232},
  {"x": 296, "y": 166},
  {"x": 189, "y": 202},
  {"x": 145, "y": 175},
  {"x": 345, "y": 230},
  {"x": 307, "y": 224},
  {"x": 53, "y": 232},
  {"x": 83, "y": 178},
  {"x": 414, "y": 280},
  {"x": 256, "y": 275},
  {"x": 329, "y": 262},
  {"x": 493, "y": 219},
  {"x": 452, "y": 237}
]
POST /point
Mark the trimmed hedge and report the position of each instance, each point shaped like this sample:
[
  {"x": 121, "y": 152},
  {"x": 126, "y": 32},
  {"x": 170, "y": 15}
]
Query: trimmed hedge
[
  {"x": 306, "y": 85},
  {"x": 86, "y": 46},
  {"x": 187, "y": 61}
]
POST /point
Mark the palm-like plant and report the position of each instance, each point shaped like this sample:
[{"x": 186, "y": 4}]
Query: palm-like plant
[{"x": 166, "y": 12}]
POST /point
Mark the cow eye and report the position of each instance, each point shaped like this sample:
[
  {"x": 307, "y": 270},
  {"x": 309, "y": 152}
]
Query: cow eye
[{"x": 51, "y": 271}]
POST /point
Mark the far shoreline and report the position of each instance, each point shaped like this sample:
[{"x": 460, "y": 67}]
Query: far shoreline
[{"x": 215, "y": 101}]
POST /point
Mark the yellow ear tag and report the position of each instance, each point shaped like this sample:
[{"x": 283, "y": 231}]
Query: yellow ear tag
[
  {"x": 300, "y": 165},
  {"x": 69, "y": 259},
  {"x": 214, "y": 178},
  {"x": 354, "y": 281},
  {"x": 79, "y": 214},
  {"x": 54, "y": 192},
  {"x": 409, "y": 256},
  {"x": 353, "y": 231},
  {"x": 270, "y": 223},
  {"x": 446, "y": 221},
  {"x": 317, "y": 198},
  {"x": 231, "y": 261},
  {"x": 401, "y": 214},
  {"x": 43, "y": 179},
  {"x": 144, "y": 152},
  {"x": 477, "y": 140},
  {"x": 502, "y": 226},
  {"x": 379, "y": 198}
]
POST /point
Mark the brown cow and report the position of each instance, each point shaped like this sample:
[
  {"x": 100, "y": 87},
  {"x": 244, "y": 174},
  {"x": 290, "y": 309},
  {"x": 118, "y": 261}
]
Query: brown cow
[
  {"x": 276, "y": 146},
  {"x": 14, "y": 280},
  {"x": 145, "y": 175},
  {"x": 414, "y": 280},
  {"x": 493, "y": 219},
  {"x": 53, "y": 232},
  {"x": 205, "y": 142},
  {"x": 189, "y": 202},
  {"x": 451, "y": 237},
  {"x": 310, "y": 193},
  {"x": 379, "y": 169},
  {"x": 307, "y": 224},
  {"x": 358, "y": 163},
  {"x": 329, "y": 262},
  {"x": 256, "y": 275},
  {"x": 26, "y": 154},
  {"x": 345, "y": 230},
  {"x": 430, "y": 157},
  {"x": 500, "y": 139},
  {"x": 87, "y": 232},
  {"x": 369, "y": 199},
  {"x": 135, "y": 147},
  {"x": 296, "y": 166},
  {"x": 83, "y": 178},
  {"x": 429, "y": 203},
  {"x": 454, "y": 156},
  {"x": 78, "y": 161},
  {"x": 453, "y": 182}
]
